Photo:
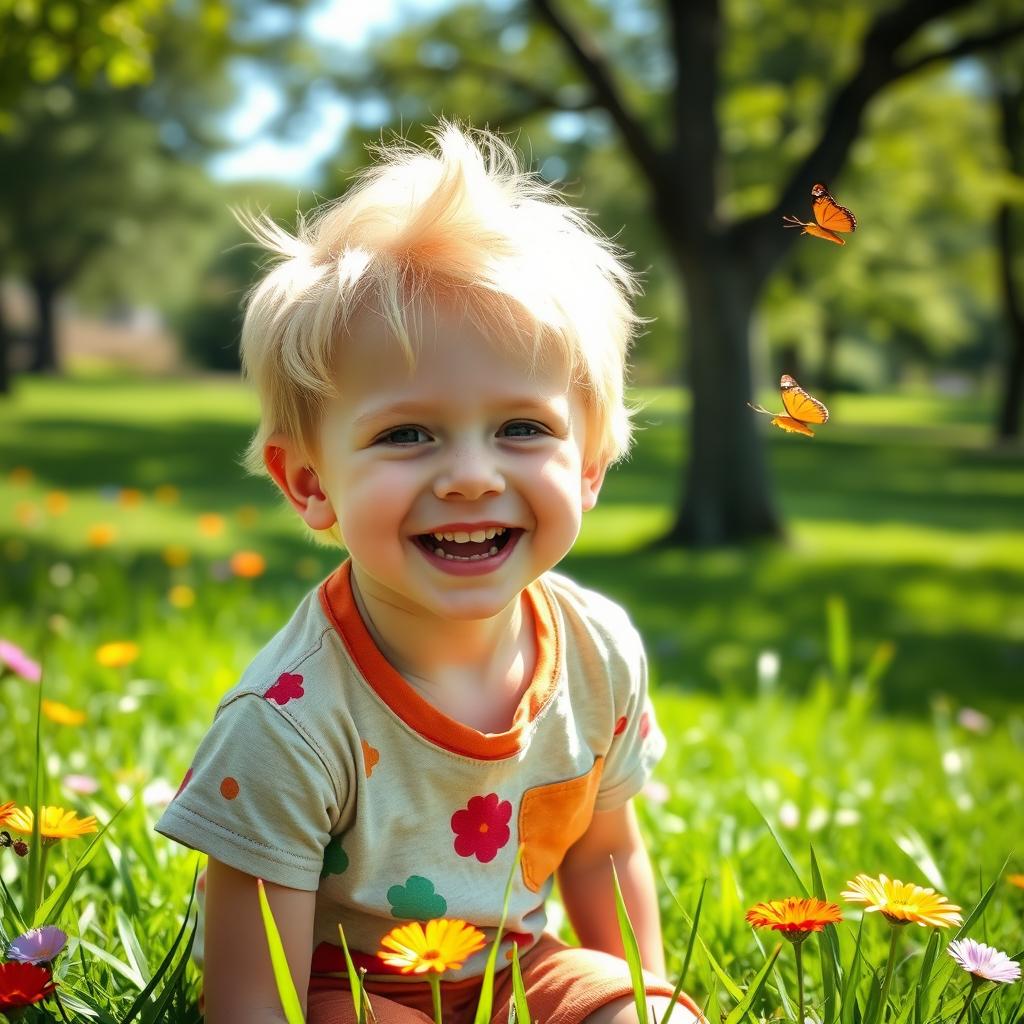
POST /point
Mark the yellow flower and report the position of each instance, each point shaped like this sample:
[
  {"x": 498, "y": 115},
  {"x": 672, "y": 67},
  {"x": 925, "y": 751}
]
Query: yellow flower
[
  {"x": 129, "y": 497},
  {"x": 5, "y": 811},
  {"x": 1017, "y": 880},
  {"x": 438, "y": 947},
  {"x": 57, "y": 503},
  {"x": 181, "y": 596},
  {"x": 794, "y": 915},
  {"x": 20, "y": 475},
  {"x": 55, "y": 823},
  {"x": 248, "y": 564},
  {"x": 903, "y": 902},
  {"x": 117, "y": 654},
  {"x": 211, "y": 524},
  {"x": 61, "y": 713},
  {"x": 26, "y": 512},
  {"x": 101, "y": 535},
  {"x": 176, "y": 555},
  {"x": 167, "y": 494}
]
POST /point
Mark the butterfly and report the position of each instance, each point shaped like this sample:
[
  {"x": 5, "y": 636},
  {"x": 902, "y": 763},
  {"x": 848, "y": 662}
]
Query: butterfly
[
  {"x": 801, "y": 408},
  {"x": 829, "y": 215}
]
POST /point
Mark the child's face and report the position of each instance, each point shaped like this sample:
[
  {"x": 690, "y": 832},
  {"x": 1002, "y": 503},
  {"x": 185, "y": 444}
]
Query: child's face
[{"x": 471, "y": 442}]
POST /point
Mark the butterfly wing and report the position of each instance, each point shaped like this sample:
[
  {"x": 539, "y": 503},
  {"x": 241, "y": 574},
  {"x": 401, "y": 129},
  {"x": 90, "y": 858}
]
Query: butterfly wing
[
  {"x": 820, "y": 232},
  {"x": 799, "y": 405},
  {"x": 792, "y": 426},
  {"x": 828, "y": 213}
]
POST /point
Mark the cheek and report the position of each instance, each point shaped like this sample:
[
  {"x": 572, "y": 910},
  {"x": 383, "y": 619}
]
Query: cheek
[{"x": 375, "y": 503}]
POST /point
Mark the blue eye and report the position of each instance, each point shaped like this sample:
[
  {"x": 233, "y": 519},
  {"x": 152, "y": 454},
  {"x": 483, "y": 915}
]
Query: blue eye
[
  {"x": 521, "y": 428},
  {"x": 405, "y": 436}
]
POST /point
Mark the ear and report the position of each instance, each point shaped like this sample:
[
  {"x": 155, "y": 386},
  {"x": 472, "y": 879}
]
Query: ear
[
  {"x": 298, "y": 482},
  {"x": 591, "y": 479}
]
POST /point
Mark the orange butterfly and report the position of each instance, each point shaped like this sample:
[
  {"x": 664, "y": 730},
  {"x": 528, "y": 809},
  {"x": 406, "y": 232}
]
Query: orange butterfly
[
  {"x": 801, "y": 408},
  {"x": 830, "y": 217}
]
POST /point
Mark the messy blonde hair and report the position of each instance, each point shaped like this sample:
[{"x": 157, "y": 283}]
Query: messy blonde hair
[{"x": 460, "y": 222}]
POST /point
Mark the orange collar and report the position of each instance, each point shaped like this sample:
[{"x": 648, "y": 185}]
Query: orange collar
[{"x": 340, "y": 608}]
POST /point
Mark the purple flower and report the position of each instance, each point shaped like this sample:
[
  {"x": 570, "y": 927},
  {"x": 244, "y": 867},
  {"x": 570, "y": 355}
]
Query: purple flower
[
  {"x": 15, "y": 659},
  {"x": 984, "y": 962},
  {"x": 38, "y": 946}
]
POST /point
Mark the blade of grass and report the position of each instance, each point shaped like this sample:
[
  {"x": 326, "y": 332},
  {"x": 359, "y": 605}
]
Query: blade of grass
[
  {"x": 36, "y": 864},
  {"x": 828, "y": 951},
  {"x": 782, "y": 848},
  {"x": 689, "y": 953},
  {"x": 927, "y": 962},
  {"x": 484, "y": 1006},
  {"x": 631, "y": 949},
  {"x": 354, "y": 981},
  {"x": 838, "y": 639},
  {"x": 132, "y": 948},
  {"x": 849, "y": 994},
  {"x": 282, "y": 973},
  {"x": 167, "y": 993},
  {"x": 519, "y": 1005},
  {"x": 743, "y": 1007}
]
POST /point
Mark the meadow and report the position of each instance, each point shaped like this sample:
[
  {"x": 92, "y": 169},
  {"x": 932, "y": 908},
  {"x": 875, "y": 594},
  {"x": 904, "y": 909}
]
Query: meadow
[{"x": 854, "y": 690}]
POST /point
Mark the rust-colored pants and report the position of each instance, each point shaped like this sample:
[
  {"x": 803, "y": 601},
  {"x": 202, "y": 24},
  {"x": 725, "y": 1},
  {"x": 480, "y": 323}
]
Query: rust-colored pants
[{"x": 564, "y": 985}]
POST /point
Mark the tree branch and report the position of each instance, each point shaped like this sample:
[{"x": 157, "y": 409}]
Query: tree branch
[
  {"x": 967, "y": 45},
  {"x": 588, "y": 57}
]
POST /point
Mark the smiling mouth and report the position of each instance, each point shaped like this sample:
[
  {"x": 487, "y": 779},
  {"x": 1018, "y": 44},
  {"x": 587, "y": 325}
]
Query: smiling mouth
[{"x": 468, "y": 547}]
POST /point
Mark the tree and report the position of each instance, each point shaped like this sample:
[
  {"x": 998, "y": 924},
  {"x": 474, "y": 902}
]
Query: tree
[{"x": 661, "y": 86}]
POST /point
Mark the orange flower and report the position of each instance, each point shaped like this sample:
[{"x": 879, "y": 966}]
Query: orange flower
[
  {"x": 129, "y": 497},
  {"x": 211, "y": 524},
  {"x": 55, "y": 823},
  {"x": 1017, "y": 880},
  {"x": 248, "y": 564},
  {"x": 61, "y": 713},
  {"x": 437, "y": 947},
  {"x": 902, "y": 902},
  {"x": 117, "y": 653},
  {"x": 20, "y": 475},
  {"x": 5, "y": 811},
  {"x": 793, "y": 914},
  {"x": 26, "y": 512},
  {"x": 101, "y": 535}
]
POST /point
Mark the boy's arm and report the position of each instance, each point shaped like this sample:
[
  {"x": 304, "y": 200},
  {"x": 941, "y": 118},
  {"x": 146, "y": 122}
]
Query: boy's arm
[
  {"x": 238, "y": 980},
  {"x": 585, "y": 881}
]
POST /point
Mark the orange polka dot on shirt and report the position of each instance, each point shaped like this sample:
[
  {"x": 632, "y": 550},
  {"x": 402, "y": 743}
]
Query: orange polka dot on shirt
[{"x": 228, "y": 788}]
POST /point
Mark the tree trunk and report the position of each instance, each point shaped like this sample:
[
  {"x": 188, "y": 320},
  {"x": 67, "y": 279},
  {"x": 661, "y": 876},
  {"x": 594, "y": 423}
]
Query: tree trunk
[
  {"x": 727, "y": 490},
  {"x": 44, "y": 357},
  {"x": 1013, "y": 382}
]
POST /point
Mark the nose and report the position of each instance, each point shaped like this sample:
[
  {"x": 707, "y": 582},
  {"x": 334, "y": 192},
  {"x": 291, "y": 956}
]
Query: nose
[{"x": 470, "y": 473}]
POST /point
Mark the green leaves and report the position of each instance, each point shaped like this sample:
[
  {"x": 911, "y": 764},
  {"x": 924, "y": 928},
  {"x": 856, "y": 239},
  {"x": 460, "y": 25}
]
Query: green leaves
[{"x": 282, "y": 974}]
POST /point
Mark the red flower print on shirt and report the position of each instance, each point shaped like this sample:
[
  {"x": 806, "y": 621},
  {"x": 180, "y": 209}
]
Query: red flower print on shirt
[
  {"x": 185, "y": 781},
  {"x": 481, "y": 827},
  {"x": 287, "y": 687},
  {"x": 645, "y": 725},
  {"x": 620, "y": 726}
]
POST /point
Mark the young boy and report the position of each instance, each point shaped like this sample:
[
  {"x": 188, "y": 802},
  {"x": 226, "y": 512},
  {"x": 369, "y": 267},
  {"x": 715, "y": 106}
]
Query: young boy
[{"x": 440, "y": 358}]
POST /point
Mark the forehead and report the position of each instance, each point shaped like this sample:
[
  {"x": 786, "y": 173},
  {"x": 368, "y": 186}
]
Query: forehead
[{"x": 452, "y": 356}]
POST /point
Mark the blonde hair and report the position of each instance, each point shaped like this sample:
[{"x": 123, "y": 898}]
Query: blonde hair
[{"x": 460, "y": 222}]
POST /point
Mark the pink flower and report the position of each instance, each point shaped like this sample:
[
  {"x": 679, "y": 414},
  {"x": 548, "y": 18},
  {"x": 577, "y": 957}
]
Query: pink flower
[
  {"x": 82, "y": 784},
  {"x": 984, "y": 962},
  {"x": 481, "y": 827},
  {"x": 17, "y": 661},
  {"x": 38, "y": 946}
]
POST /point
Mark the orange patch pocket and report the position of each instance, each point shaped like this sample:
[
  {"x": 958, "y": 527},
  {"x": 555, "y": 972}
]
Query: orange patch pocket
[{"x": 551, "y": 819}]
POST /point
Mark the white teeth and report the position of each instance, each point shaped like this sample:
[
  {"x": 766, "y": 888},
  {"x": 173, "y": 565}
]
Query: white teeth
[
  {"x": 439, "y": 552},
  {"x": 461, "y": 538},
  {"x": 478, "y": 535},
  {"x": 449, "y": 536},
  {"x": 489, "y": 533},
  {"x": 438, "y": 536},
  {"x": 493, "y": 551}
]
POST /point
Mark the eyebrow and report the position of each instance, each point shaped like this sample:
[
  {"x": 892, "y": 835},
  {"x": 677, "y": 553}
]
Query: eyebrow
[{"x": 400, "y": 410}]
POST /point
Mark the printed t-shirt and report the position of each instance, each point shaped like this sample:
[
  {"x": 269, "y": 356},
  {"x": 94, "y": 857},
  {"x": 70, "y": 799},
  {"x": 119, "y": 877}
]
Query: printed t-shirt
[{"x": 325, "y": 770}]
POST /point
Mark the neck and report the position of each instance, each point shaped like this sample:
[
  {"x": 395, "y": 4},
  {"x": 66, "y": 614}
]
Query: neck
[{"x": 429, "y": 648}]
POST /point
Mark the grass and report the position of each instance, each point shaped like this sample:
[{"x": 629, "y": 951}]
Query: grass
[{"x": 896, "y": 604}]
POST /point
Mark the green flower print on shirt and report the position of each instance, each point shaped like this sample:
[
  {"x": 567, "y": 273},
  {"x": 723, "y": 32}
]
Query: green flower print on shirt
[
  {"x": 335, "y": 858},
  {"x": 416, "y": 900}
]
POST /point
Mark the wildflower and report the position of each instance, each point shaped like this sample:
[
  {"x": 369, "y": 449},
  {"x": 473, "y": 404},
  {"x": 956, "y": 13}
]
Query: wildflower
[
  {"x": 15, "y": 660},
  {"x": 181, "y": 596},
  {"x": 983, "y": 961},
  {"x": 26, "y": 513},
  {"x": 100, "y": 535},
  {"x": 5, "y": 811},
  {"x": 117, "y": 653},
  {"x": 211, "y": 524},
  {"x": 902, "y": 902},
  {"x": 57, "y": 503},
  {"x": 20, "y": 475},
  {"x": 38, "y": 945},
  {"x": 247, "y": 515},
  {"x": 129, "y": 497},
  {"x": 55, "y": 823},
  {"x": 167, "y": 494},
  {"x": 1017, "y": 880},
  {"x": 974, "y": 721},
  {"x": 85, "y": 785},
  {"x": 61, "y": 574},
  {"x": 794, "y": 917},
  {"x": 159, "y": 793},
  {"x": 176, "y": 555},
  {"x": 248, "y": 564},
  {"x": 438, "y": 946},
  {"x": 23, "y": 984},
  {"x": 61, "y": 713}
]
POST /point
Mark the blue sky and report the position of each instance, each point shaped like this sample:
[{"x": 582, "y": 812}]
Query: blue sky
[{"x": 346, "y": 24}]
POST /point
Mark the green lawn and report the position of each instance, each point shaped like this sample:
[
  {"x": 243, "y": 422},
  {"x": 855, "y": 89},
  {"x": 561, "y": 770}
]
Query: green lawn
[{"x": 896, "y": 603}]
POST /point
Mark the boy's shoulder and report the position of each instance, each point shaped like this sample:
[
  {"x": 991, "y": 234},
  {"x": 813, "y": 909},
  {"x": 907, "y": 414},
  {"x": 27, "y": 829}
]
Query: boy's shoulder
[
  {"x": 299, "y": 653},
  {"x": 592, "y": 617}
]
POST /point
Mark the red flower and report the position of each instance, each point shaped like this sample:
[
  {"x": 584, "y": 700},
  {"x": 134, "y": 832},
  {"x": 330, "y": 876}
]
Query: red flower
[
  {"x": 287, "y": 687},
  {"x": 481, "y": 827},
  {"x": 23, "y": 984}
]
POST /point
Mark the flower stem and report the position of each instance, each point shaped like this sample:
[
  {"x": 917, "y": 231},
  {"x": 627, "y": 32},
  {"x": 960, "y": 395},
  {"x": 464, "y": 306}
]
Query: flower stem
[
  {"x": 798, "y": 951},
  {"x": 890, "y": 965},
  {"x": 44, "y": 849},
  {"x": 435, "y": 992},
  {"x": 975, "y": 981}
]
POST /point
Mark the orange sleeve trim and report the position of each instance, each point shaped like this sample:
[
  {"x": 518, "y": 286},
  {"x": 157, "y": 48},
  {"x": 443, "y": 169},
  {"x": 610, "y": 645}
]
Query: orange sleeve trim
[{"x": 419, "y": 714}]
